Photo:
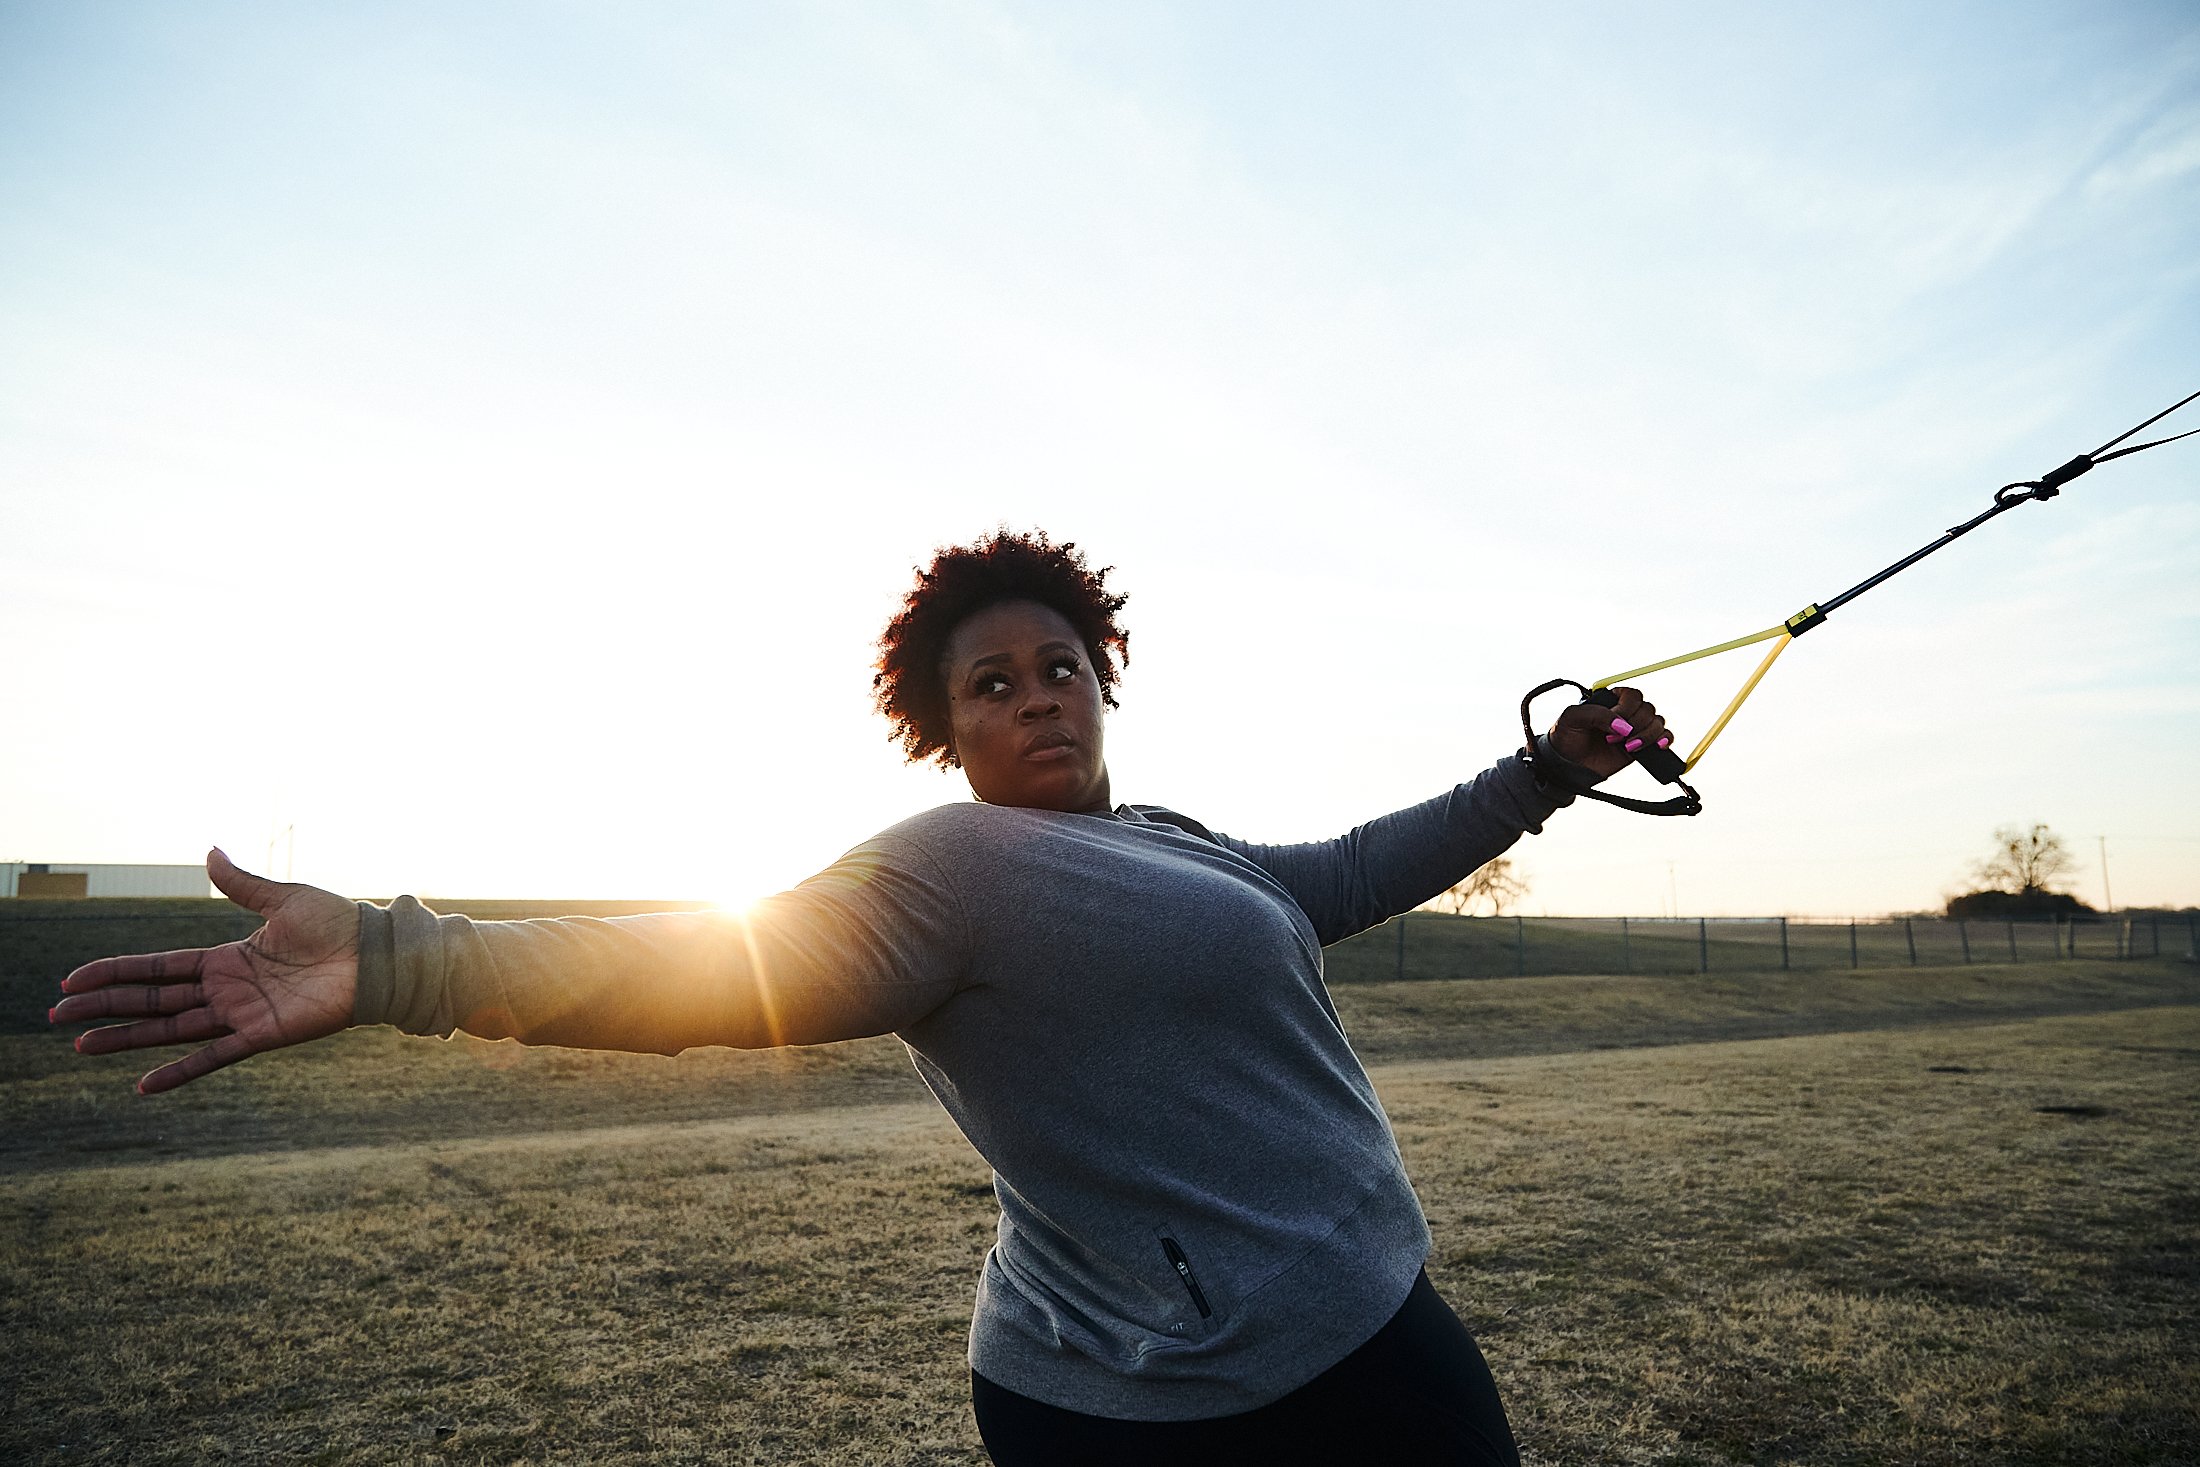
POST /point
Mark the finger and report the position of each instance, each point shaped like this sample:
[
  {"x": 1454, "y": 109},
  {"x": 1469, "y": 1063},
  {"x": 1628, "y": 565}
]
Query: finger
[
  {"x": 1646, "y": 730},
  {"x": 185, "y": 1028},
  {"x": 224, "y": 1051},
  {"x": 1591, "y": 718},
  {"x": 125, "y": 1003},
  {"x": 186, "y": 962},
  {"x": 241, "y": 886},
  {"x": 1633, "y": 720}
]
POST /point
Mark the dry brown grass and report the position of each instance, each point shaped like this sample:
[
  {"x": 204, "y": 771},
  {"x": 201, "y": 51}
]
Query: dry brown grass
[
  {"x": 1814, "y": 1250},
  {"x": 1867, "y": 1247}
]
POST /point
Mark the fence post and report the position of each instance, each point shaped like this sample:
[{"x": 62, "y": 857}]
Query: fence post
[
  {"x": 2012, "y": 940},
  {"x": 1401, "y": 947},
  {"x": 1783, "y": 944},
  {"x": 1852, "y": 944},
  {"x": 1909, "y": 935},
  {"x": 1963, "y": 932},
  {"x": 1703, "y": 944},
  {"x": 1520, "y": 946},
  {"x": 1626, "y": 953}
]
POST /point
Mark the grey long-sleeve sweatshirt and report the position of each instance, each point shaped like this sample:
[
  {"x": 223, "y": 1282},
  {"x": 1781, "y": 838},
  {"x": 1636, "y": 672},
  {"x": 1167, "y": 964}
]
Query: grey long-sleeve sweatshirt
[{"x": 1202, "y": 1204}]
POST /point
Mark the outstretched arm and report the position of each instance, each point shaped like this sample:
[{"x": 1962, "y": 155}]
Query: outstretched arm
[
  {"x": 1394, "y": 863},
  {"x": 865, "y": 947},
  {"x": 291, "y": 981},
  {"x": 868, "y": 945}
]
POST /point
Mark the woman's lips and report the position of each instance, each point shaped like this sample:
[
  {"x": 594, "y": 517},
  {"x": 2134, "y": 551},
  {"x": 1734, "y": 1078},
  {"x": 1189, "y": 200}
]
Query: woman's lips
[{"x": 1049, "y": 747}]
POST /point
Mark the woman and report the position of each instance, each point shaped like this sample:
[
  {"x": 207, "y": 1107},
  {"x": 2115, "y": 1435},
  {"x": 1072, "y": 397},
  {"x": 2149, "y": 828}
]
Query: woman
[{"x": 1208, "y": 1247}]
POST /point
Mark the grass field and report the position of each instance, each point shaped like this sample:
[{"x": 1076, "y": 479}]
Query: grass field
[{"x": 1948, "y": 1216}]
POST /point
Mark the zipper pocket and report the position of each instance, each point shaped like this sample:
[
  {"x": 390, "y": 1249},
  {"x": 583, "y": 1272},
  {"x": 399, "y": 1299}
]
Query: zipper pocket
[{"x": 1183, "y": 1267}]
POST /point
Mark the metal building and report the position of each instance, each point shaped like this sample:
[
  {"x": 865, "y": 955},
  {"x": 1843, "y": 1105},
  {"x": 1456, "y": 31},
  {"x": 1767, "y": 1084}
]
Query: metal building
[{"x": 42, "y": 879}]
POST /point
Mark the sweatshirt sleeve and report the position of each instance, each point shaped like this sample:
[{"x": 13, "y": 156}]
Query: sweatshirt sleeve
[
  {"x": 867, "y": 946},
  {"x": 1396, "y": 862}
]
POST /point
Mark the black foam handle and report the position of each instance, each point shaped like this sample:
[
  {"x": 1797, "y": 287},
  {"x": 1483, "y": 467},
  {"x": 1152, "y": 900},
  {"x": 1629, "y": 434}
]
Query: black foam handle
[{"x": 1664, "y": 765}]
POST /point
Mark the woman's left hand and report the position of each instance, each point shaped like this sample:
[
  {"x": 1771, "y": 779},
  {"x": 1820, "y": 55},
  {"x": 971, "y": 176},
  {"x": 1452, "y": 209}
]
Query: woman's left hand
[
  {"x": 295, "y": 979},
  {"x": 1606, "y": 740}
]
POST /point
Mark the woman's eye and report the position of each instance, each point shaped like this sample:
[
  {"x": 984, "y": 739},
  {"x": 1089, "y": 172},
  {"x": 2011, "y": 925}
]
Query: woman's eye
[
  {"x": 1062, "y": 671},
  {"x": 991, "y": 683}
]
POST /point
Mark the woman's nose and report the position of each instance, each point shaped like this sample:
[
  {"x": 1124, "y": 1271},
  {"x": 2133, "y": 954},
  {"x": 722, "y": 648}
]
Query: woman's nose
[{"x": 1040, "y": 704}]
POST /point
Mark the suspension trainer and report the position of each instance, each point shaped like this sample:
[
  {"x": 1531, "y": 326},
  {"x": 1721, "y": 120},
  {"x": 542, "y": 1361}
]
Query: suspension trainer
[{"x": 1667, "y": 766}]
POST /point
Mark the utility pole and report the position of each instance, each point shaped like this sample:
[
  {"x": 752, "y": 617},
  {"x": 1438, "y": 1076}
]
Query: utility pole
[{"x": 2108, "y": 898}]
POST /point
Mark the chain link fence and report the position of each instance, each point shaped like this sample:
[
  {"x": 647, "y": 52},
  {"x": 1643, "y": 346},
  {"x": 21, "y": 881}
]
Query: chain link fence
[{"x": 1438, "y": 945}]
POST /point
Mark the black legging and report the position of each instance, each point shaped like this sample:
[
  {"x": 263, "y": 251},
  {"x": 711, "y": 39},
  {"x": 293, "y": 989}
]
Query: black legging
[{"x": 1417, "y": 1393}]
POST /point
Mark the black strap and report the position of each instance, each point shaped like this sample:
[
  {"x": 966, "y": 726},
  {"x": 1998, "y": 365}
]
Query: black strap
[
  {"x": 1551, "y": 774},
  {"x": 2009, "y": 496},
  {"x": 2102, "y": 455}
]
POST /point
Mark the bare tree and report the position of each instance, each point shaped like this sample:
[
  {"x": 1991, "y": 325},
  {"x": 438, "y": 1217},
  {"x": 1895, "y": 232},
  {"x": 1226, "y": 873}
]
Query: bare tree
[
  {"x": 2026, "y": 861},
  {"x": 1497, "y": 884}
]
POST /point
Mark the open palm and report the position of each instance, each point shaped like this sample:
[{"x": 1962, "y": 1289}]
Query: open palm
[{"x": 291, "y": 981}]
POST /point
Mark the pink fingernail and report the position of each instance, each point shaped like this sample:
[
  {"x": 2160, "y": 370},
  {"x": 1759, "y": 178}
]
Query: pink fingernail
[
  {"x": 1611, "y": 738},
  {"x": 50, "y": 1013},
  {"x": 1623, "y": 726},
  {"x": 79, "y": 1044},
  {"x": 1633, "y": 744},
  {"x": 1666, "y": 742}
]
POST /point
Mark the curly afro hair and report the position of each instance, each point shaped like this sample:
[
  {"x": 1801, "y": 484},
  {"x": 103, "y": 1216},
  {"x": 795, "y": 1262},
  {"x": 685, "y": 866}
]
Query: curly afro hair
[{"x": 910, "y": 687}]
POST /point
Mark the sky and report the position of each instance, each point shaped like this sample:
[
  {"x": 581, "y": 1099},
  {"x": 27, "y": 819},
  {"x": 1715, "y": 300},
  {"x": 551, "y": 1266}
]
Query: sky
[{"x": 471, "y": 450}]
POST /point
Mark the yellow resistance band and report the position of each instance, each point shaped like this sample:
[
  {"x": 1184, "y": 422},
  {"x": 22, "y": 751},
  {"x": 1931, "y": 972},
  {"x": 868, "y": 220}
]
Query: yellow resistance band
[
  {"x": 1783, "y": 631},
  {"x": 1620, "y": 677},
  {"x": 1747, "y": 688}
]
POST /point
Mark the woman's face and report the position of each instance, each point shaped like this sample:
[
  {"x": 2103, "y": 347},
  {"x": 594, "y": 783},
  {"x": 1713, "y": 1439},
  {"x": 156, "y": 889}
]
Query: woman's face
[{"x": 1024, "y": 709}]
